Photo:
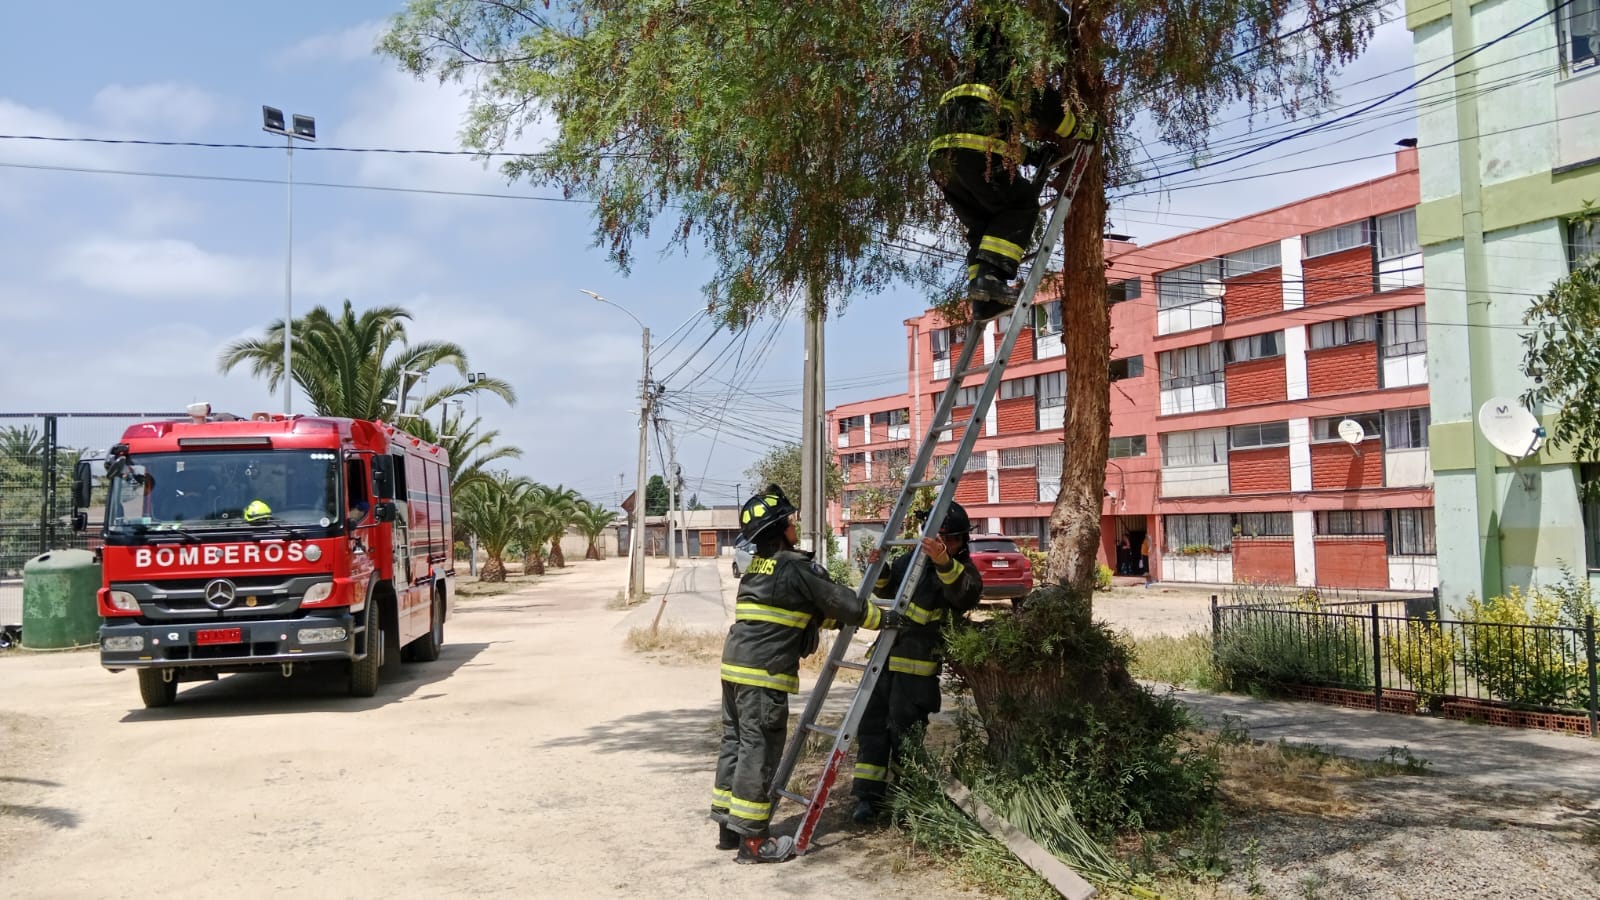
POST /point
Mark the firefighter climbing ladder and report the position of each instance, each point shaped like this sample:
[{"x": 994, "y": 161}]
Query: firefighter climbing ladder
[{"x": 917, "y": 477}]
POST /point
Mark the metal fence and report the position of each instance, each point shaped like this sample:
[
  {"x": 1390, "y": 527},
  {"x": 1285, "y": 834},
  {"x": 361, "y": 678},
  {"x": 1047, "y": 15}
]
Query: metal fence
[
  {"x": 37, "y": 454},
  {"x": 1401, "y": 645}
]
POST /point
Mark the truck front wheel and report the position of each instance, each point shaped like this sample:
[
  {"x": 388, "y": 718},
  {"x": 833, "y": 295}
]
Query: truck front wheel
[
  {"x": 156, "y": 691},
  {"x": 364, "y": 672}
]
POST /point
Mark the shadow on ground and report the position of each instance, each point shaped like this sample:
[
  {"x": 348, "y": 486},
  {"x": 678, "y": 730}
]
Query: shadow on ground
[
  {"x": 682, "y": 739},
  {"x": 314, "y": 690}
]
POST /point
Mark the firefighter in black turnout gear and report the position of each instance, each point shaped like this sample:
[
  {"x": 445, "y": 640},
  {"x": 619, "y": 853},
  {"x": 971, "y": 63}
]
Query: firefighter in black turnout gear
[
  {"x": 982, "y": 137},
  {"x": 908, "y": 691},
  {"x": 783, "y": 597}
]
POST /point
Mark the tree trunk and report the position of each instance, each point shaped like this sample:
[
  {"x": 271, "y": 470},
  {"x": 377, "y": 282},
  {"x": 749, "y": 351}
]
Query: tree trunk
[
  {"x": 532, "y": 563},
  {"x": 1075, "y": 520},
  {"x": 493, "y": 571},
  {"x": 592, "y": 552},
  {"x": 557, "y": 558}
]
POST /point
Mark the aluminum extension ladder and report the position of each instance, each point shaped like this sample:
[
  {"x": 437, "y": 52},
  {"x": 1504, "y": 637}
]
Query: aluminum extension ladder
[{"x": 917, "y": 477}]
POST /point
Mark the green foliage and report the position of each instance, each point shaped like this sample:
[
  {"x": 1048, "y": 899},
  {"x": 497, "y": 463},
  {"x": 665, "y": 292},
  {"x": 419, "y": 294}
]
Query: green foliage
[
  {"x": 1040, "y": 562},
  {"x": 591, "y": 520},
  {"x": 656, "y": 496},
  {"x": 844, "y": 572},
  {"x": 1533, "y": 659},
  {"x": 349, "y": 365},
  {"x": 1268, "y": 648},
  {"x": 1426, "y": 655},
  {"x": 1102, "y": 577},
  {"x": 493, "y": 509},
  {"x": 471, "y": 449},
  {"x": 865, "y": 544},
  {"x": 1184, "y": 661},
  {"x": 1562, "y": 353},
  {"x": 781, "y": 466}
]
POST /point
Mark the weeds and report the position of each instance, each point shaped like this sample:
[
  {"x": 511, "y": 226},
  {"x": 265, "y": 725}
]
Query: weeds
[
  {"x": 1183, "y": 661},
  {"x": 1401, "y": 761},
  {"x": 676, "y": 643}
]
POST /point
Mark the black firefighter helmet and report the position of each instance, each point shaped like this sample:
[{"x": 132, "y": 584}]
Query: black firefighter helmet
[
  {"x": 764, "y": 510},
  {"x": 955, "y": 520}
]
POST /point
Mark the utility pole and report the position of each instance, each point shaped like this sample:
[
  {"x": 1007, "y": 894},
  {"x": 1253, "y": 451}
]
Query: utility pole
[
  {"x": 670, "y": 467},
  {"x": 636, "y": 551},
  {"x": 813, "y": 440}
]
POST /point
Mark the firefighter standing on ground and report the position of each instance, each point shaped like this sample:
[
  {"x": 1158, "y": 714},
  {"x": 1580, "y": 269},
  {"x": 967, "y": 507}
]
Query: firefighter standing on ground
[
  {"x": 907, "y": 692},
  {"x": 783, "y": 596},
  {"x": 974, "y": 160}
]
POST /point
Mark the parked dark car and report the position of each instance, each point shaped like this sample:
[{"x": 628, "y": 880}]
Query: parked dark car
[{"x": 1006, "y": 572}]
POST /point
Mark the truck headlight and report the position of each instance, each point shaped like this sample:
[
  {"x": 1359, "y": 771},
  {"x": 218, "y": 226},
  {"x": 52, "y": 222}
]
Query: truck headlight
[
  {"x": 124, "y": 643},
  {"x": 319, "y": 593},
  {"x": 322, "y": 635},
  {"x": 124, "y": 601}
]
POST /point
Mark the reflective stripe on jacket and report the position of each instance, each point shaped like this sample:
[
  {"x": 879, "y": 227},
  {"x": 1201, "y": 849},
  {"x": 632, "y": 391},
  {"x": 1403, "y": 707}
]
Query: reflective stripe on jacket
[
  {"x": 779, "y": 600},
  {"x": 938, "y": 597}
]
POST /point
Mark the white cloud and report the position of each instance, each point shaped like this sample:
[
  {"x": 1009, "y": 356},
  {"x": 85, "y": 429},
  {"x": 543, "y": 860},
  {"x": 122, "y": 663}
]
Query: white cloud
[
  {"x": 164, "y": 107},
  {"x": 18, "y": 119},
  {"x": 345, "y": 45},
  {"x": 165, "y": 268}
]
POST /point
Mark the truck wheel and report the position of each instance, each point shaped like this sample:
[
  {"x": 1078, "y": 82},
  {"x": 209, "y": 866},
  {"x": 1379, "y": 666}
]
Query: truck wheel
[
  {"x": 364, "y": 675},
  {"x": 426, "y": 648},
  {"x": 156, "y": 691}
]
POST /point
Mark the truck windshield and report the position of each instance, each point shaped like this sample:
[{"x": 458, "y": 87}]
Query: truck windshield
[{"x": 225, "y": 489}]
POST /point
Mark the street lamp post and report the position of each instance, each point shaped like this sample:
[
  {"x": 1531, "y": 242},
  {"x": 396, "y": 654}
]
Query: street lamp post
[
  {"x": 302, "y": 128},
  {"x": 477, "y": 422},
  {"x": 636, "y": 539}
]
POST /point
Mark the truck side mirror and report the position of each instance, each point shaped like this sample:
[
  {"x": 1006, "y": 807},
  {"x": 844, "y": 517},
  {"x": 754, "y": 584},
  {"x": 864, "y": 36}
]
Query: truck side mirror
[
  {"x": 82, "y": 482},
  {"x": 382, "y": 475},
  {"x": 384, "y": 511}
]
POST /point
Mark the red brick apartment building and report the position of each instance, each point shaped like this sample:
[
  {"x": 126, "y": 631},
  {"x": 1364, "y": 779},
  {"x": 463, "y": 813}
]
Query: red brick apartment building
[{"x": 1239, "y": 350}]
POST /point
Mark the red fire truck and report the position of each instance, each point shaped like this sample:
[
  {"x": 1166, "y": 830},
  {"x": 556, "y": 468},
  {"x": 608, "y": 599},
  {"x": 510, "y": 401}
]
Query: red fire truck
[{"x": 236, "y": 544}]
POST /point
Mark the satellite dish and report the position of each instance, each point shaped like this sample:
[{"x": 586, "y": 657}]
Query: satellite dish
[
  {"x": 1213, "y": 288},
  {"x": 1351, "y": 432},
  {"x": 1509, "y": 428}
]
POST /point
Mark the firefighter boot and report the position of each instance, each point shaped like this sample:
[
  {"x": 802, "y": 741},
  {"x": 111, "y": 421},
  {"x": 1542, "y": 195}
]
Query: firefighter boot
[
  {"x": 865, "y": 813},
  {"x": 989, "y": 294},
  {"x": 727, "y": 838},
  {"x": 765, "y": 850}
]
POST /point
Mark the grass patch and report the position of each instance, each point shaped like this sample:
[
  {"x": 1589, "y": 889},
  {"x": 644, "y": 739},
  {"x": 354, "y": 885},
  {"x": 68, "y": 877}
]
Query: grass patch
[
  {"x": 469, "y": 588},
  {"x": 674, "y": 643},
  {"x": 1184, "y": 661}
]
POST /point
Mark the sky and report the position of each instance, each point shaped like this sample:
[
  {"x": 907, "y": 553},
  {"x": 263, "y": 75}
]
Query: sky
[{"x": 121, "y": 289}]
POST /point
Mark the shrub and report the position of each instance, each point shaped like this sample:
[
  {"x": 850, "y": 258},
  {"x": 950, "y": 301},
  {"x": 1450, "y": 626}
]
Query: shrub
[
  {"x": 1184, "y": 661},
  {"x": 1520, "y": 650},
  {"x": 1040, "y": 562},
  {"x": 843, "y": 571},
  {"x": 1102, "y": 577},
  {"x": 1426, "y": 655},
  {"x": 1267, "y": 648}
]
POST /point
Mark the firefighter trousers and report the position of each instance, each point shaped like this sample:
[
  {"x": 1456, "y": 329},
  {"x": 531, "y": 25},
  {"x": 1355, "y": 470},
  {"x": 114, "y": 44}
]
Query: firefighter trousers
[
  {"x": 755, "y": 723},
  {"x": 900, "y": 702},
  {"x": 998, "y": 207}
]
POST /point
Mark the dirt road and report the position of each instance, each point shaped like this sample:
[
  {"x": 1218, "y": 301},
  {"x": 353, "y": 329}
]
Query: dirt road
[{"x": 537, "y": 757}]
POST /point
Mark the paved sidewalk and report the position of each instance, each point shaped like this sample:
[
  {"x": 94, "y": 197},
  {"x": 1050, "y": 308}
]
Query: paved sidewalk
[
  {"x": 1495, "y": 757},
  {"x": 689, "y": 597}
]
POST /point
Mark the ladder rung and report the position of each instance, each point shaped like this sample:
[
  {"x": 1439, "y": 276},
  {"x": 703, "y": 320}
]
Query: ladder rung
[
  {"x": 932, "y": 482},
  {"x": 851, "y": 664},
  {"x": 797, "y": 798},
  {"x": 821, "y": 729},
  {"x": 902, "y": 542}
]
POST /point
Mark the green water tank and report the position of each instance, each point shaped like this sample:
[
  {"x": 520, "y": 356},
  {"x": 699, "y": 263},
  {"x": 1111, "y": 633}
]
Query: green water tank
[{"x": 58, "y": 600}]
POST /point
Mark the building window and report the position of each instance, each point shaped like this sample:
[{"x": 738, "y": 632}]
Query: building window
[
  {"x": 850, "y": 423},
  {"x": 1186, "y": 449},
  {"x": 1124, "y": 447},
  {"x": 1052, "y": 390},
  {"x": 1277, "y": 524},
  {"x": 1265, "y": 434},
  {"x": 1399, "y": 254},
  {"x": 939, "y": 343},
  {"x": 1406, "y": 429},
  {"x": 1588, "y": 474},
  {"x": 1015, "y": 388},
  {"x": 1256, "y": 346},
  {"x": 1405, "y": 332},
  {"x": 1190, "y": 366},
  {"x": 1048, "y": 457},
  {"x": 968, "y": 396},
  {"x": 1018, "y": 458},
  {"x": 1256, "y": 259},
  {"x": 1579, "y": 34},
  {"x": 1127, "y": 367},
  {"x": 892, "y": 417},
  {"x": 1335, "y": 240},
  {"x": 852, "y": 465},
  {"x": 1583, "y": 241},
  {"x": 1199, "y": 533},
  {"x": 1350, "y": 521},
  {"x": 1327, "y": 429},
  {"x": 1121, "y": 291},
  {"x": 1047, "y": 317},
  {"x": 977, "y": 461},
  {"x": 1185, "y": 286},
  {"x": 1411, "y": 533},
  {"x": 1354, "y": 330}
]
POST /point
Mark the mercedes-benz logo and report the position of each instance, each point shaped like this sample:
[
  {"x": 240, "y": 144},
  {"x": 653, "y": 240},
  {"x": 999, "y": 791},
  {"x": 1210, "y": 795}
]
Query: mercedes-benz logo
[{"x": 220, "y": 593}]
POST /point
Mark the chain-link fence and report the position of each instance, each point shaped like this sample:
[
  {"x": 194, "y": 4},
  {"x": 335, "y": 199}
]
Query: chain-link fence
[{"x": 37, "y": 454}]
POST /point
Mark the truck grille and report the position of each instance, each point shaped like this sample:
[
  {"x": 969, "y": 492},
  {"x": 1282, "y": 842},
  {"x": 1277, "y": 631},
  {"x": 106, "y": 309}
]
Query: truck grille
[{"x": 184, "y": 599}]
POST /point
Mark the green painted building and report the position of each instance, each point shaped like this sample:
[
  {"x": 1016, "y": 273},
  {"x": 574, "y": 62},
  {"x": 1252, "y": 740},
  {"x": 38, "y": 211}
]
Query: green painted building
[{"x": 1509, "y": 149}]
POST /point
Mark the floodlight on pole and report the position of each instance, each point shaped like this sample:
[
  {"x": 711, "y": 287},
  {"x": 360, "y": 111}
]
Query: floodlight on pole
[
  {"x": 636, "y": 536},
  {"x": 300, "y": 128}
]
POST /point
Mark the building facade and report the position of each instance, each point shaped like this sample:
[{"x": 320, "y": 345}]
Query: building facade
[
  {"x": 1269, "y": 404},
  {"x": 1510, "y": 150}
]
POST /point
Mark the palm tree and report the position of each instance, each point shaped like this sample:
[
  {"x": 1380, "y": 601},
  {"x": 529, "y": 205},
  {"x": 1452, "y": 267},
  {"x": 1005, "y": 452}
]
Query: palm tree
[
  {"x": 541, "y": 520},
  {"x": 494, "y": 509},
  {"x": 563, "y": 503},
  {"x": 22, "y": 444},
  {"x": 470, "y": 450},
  {"x": 591, "y": 521},
  {"x": 350, "y": 365}
]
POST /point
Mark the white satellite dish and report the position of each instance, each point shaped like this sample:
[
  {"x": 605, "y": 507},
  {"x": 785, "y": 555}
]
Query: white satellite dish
[
  {"x": 1213, "y": 288},
  {"x": 1351, "y": 432},
  {"x": 1509, "y": 428}
]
